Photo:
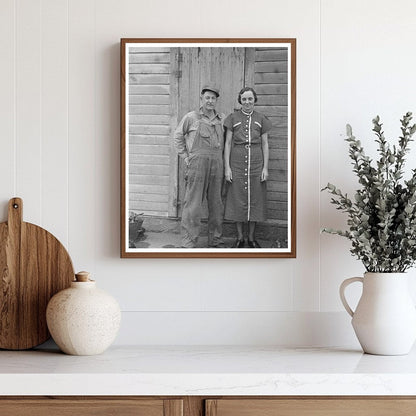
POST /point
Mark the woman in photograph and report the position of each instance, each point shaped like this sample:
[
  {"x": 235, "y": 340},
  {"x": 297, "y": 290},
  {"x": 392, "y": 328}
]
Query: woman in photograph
[{"x": 246, "y": 159}]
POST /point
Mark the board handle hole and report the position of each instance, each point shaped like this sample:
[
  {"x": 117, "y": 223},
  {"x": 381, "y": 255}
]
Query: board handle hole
[{"x": 15, "y": 206}]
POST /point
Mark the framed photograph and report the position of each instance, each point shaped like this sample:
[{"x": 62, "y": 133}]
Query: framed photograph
[{"x": 208, "y": 134}]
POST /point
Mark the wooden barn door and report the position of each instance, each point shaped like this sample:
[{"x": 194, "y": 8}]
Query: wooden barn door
[
  {"x": 230, "y": 69},
  {"x": 223, "y": 67}
]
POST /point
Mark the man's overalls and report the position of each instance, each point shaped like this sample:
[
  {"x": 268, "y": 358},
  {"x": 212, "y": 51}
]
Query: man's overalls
[{"x": 204, "y": 177}]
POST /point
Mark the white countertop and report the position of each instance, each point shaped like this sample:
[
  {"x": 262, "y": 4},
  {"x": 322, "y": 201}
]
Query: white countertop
[{"x": 193, "y": 370}]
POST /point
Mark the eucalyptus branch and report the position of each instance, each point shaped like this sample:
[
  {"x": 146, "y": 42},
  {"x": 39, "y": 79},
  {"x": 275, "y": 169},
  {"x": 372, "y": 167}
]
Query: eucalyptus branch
[{"x": 382, "y": 214}]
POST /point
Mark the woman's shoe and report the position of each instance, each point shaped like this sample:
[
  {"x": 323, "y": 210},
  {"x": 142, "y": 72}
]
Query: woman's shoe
[
  {"x": 253, "y": 244},
  {"x": 238, "y": 243}
]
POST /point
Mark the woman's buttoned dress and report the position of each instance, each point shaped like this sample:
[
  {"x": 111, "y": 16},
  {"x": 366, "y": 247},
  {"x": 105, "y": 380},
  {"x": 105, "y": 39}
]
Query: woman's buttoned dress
[{"x": 246, "y": 198}]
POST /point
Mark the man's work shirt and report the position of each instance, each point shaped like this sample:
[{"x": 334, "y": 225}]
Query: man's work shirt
[{"x": 196, "y": 124}]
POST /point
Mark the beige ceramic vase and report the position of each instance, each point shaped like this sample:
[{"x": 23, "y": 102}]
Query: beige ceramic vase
[{"x": 82, "y": 319}]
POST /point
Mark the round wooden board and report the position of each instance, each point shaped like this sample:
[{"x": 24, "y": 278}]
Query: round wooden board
[{"x": 34, "y": 266}]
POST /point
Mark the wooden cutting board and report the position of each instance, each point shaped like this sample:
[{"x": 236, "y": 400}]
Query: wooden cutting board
[{"x": 34, "y": 266}]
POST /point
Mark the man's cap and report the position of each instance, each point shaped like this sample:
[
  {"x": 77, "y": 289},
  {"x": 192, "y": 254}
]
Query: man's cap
[{"x": 210, "y": 88}]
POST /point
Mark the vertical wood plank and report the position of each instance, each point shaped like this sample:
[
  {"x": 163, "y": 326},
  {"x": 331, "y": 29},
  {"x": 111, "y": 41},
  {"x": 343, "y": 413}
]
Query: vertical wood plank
[
  {"x": 81, "y": 148},
  {"x": 28, "y": 107},
  {"x": 173, "y": 407},
  {"x": 192, "y": 101},
  {"x": 55, "y": 118},
  {"x": 233, "y": 62},
  {"x": 249, "y": 67},
  {"x": 107, "y": 130},
  {"x": 188, "y": 99},
  {"x": 218, "y": 69},
  {"x": 211, "y": 407},
  {"x": 193, "y": 406},
  {"x": 174, "y": 116},
  {"x": 205, "y": 64},
  {"x": 7, "y": 104}
]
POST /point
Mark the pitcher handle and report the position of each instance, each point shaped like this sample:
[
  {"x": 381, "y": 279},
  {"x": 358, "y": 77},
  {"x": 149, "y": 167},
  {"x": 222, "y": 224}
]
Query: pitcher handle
[{"x": 342, "y": 288}]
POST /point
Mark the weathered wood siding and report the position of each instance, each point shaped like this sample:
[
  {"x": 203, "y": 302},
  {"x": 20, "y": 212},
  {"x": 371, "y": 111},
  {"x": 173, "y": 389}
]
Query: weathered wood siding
[
  {"x": 165, "y": 84},
  {"x": 271, "y": 85},
  {"x": 149, "y": 128}
]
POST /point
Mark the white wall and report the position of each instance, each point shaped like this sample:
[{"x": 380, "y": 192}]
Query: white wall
[{"x": 59, "y": 118}]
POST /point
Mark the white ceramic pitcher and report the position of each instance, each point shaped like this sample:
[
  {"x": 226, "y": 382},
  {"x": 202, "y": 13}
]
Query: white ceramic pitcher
[{"x": 385, "y": 318}]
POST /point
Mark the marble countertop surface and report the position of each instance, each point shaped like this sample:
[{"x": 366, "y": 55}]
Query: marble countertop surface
[{"x": 207, "y": 370}]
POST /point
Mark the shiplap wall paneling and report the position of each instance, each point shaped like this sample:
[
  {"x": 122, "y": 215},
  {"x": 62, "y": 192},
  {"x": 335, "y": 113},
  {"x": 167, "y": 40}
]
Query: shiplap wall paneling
[
  {"x": 7, "y": 104},
  {"x": 82, "y": 116},
  {"x": 28, "y": 51},
  {"x": 54, "y": 118},
  {"x": 306, "y": 268}
]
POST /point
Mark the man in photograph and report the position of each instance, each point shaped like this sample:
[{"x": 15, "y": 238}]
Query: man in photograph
[{"x": 199, "y": 140}]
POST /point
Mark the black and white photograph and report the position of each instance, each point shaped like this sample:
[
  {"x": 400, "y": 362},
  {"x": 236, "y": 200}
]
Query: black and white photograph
[{"x": 208, "y": 131}]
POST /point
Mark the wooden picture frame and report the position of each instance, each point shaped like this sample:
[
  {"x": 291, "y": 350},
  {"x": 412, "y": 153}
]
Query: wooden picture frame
[{"x": 162, "y": 80}]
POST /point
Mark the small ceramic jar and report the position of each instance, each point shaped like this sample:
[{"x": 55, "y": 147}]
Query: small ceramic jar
[{"x": 82, "y": 319}]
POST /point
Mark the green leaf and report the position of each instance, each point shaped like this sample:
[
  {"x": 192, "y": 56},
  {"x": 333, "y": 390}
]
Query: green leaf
[{"x": 381, "y": 217}]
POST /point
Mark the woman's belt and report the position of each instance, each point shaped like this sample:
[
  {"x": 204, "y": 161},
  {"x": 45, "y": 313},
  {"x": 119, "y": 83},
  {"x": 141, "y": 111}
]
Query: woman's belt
[{"x": 247, "y": 146}]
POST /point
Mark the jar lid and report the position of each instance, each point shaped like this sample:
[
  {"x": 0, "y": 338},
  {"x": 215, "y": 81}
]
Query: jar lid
[{"x": 82, "y": 277}]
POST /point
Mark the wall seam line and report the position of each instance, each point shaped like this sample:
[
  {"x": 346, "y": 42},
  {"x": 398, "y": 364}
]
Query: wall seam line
[
  {"x": 40, "y": 114},
  {"x": 67, "y": 125},
  {"x": 94, "y": 262},
  {"x": 319, "y": 155},
  {"x": 15, "y": 101}
]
